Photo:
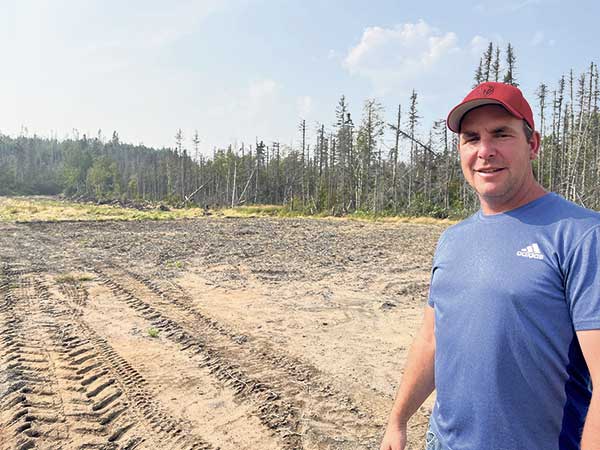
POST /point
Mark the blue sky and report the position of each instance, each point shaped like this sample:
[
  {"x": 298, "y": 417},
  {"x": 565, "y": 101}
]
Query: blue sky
[{"x": 237, "y": 70}]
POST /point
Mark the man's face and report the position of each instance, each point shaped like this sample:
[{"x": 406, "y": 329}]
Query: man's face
[{"x": 496, "y": 157}]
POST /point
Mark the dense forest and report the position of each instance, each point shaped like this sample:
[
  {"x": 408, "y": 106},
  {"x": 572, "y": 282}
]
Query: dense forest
[{"x": 336, "y": 169}]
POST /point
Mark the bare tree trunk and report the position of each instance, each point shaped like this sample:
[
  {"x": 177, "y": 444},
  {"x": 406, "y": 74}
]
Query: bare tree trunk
[
  {"x": 395, "y": 160},
  {"x": 234, "y": 183}
]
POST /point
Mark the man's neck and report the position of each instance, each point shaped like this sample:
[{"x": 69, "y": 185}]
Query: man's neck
[{"x": 490, "y": 206}]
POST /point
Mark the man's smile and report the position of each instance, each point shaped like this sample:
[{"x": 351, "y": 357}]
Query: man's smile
[{"x": 489, "y": 170}]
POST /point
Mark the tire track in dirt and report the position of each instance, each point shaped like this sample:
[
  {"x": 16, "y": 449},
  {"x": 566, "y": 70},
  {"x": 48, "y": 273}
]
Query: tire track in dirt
[
  {"x": 117, "y": 391},
  {"x": 31, "y": 404},
  {"x": 188, "y": 391},
  {"x": 289, "y": 396},
  {"x": 63, "y": 387},
  {"x": 274, "y": 412},
  {"x": 75, "y": 290},
  {"x": 78, "y": 297}
]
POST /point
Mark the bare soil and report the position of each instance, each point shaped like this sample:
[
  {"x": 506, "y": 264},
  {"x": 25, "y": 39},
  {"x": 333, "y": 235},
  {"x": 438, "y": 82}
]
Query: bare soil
[{"x": 209, "y": 333}]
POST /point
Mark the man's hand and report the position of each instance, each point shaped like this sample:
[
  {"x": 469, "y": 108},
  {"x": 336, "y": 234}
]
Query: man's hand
[{"x": 394, "y": 437}]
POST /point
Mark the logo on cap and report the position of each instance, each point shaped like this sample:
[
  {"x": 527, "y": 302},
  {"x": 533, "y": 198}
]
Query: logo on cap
[{"x": 487, "y": 90}]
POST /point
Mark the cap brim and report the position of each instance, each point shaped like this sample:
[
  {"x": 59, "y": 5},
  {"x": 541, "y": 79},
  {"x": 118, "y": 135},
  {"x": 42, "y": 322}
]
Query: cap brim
[{"x": 458, "y": 112}]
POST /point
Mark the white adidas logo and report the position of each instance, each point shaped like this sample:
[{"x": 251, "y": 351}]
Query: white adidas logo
[{"x": 531, "y": 251}]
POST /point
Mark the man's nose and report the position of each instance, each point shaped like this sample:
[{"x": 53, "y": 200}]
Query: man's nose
[{"x": 487, "y": 148}]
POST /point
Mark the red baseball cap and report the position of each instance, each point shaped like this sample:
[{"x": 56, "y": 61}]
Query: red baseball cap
[{"x": 491, "y": 92}]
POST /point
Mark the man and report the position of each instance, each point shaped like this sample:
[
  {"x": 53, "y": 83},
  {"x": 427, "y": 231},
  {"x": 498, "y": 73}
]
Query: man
[{"x": 510, "y": 339}]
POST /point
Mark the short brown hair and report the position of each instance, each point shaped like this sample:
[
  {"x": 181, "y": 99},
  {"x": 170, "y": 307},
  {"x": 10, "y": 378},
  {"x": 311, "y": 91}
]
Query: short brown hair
[{"x": 527, "y": 130}]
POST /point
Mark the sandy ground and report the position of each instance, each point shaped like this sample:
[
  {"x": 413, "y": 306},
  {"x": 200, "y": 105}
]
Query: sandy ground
[{"x": 207, "y": 334}]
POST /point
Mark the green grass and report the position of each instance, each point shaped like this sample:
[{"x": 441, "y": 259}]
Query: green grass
[
  {"x": 252, "y": 211},
  {"x": 34, "y": 209},
  {"x": 286, "y": 212},
  {"x": 73, "y": 278},
  {"x": 153, "y": 332},
  {"x": 175, "y": 264},
  {"x": 45, "y": 209}
]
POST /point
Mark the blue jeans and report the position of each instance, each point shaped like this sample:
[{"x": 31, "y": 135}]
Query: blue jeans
[{"x": 431, "y": 441}]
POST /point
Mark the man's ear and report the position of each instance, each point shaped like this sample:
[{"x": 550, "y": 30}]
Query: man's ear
[
  {"x": 534, "y": 145},
  {"x": 458, "y": 142}
]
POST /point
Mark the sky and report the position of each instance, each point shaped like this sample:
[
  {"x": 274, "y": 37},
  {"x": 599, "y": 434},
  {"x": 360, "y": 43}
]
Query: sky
[{"x": 240, "y": 70}]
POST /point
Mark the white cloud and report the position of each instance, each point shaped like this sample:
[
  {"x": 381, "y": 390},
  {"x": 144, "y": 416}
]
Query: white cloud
[
  {"x": 478, "y": 45},
  {"x": 435, "y": 63},
  {"x": 417, "y": 44},
  {"x": 399, "y": 56}
]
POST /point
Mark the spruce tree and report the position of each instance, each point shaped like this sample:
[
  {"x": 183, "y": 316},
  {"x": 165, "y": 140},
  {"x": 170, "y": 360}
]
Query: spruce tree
[{"x": 511, "y": 59}]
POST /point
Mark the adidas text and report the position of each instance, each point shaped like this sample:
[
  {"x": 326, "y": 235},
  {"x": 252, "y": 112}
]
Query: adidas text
[{"x": 531, "y": 251}]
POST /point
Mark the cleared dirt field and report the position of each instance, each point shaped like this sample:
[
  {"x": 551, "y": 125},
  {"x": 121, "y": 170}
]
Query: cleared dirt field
[{"x": 209, "y": 333}]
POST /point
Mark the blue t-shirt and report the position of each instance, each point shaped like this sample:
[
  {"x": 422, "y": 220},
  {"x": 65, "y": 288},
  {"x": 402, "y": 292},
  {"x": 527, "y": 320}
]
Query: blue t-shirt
[{"x": 509, "y": 292}]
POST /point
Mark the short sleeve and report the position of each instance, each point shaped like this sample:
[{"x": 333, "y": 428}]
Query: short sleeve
[
  {"x": 436, "y": 256},
  {"x": 582, "y": 283}
]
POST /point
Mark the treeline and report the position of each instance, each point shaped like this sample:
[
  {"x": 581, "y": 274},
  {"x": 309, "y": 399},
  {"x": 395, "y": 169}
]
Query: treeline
[
  {"x": 343, "y": 169},
  {"x": 375, "y": 165}
]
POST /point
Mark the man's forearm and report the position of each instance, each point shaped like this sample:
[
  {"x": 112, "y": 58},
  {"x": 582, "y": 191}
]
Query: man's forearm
[
  {"x": 591, "y": 430},
  {"x": 589, "y": 340},
  {"x": 418, "y": 379},
  {"x": 417, "y": 382},
  {"x": 416, "y": 385}
]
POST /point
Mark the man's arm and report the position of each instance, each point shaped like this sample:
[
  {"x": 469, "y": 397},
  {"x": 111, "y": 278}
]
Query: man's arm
[
  {"x": 416, "y": 385},
  {"x": 589, "y": 340}
]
